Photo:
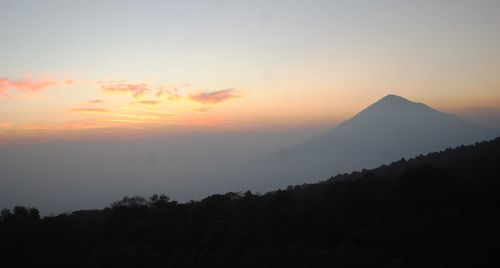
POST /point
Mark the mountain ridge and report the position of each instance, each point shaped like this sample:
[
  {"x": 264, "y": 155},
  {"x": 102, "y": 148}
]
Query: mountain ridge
[{"x": 387, "y": 130}]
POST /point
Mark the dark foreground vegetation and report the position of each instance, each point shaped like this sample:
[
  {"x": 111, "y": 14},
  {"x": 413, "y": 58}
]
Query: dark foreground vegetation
[{"x": 441, "y": 210}]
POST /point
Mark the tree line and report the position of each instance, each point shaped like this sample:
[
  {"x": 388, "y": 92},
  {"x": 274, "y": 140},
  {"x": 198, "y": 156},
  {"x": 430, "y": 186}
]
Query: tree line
[{"x": 438, "y": 210}]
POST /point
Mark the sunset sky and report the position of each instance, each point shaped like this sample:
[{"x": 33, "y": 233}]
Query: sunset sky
[{"x": 76, "y": 69}]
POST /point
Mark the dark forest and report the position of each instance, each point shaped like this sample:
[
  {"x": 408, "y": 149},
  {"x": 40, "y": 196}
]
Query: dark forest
[{"x": 438, "y": 210}]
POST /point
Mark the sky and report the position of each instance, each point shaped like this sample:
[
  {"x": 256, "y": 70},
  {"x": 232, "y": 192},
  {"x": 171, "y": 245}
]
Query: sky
[{"x": 128, "y": 69}]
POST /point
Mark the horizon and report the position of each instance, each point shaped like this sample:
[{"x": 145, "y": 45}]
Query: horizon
[
  {"x": 300, "y": 132},
  {"x": 193, "y": 164},
  {"x": 84, "y": 70}
]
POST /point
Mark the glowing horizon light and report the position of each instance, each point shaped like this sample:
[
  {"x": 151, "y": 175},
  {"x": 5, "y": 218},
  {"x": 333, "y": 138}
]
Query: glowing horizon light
[{"x": 239, "y": 65}]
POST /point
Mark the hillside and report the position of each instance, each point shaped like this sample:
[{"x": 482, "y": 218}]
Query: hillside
[
  {"x": 438, "y": 210},
  {"x": 390, "y": 129}
]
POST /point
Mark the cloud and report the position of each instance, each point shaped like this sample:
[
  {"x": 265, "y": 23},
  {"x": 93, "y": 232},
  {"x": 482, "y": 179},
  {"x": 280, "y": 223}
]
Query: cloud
[
  {"x": 5, "y": 125},
  {"x": 3, "y": 93},
  {"x": 98, "y": 101},
  {"x": 90, "y": 110},
  {"x": 213, "y": 97},
  {"x": 203, "y": 109},
  {"x": 28, "y": 85},
  {"x": 136, "y": 90},
  {"x": 147, "y": 102},
  {"x": 170, "y": 94}
]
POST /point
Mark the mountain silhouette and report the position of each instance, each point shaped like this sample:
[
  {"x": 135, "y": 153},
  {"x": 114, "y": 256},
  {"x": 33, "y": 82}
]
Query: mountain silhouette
[{"x": 388, "y": 130}]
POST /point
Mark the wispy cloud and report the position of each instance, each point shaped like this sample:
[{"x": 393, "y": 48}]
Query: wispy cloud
[
  {"x": 28, "y": 85},
  {"x": 98, "y": 101},
  {"x": 213, "y": 97},
  {"x": 89, "y": 110},
  {"x": 128, "y": 121},
  {"x": 171, "y": 94},
  {"x": 138, "y": 116},
  {"x": 144, "y": 111},
  {"x": 147, "y": 102},
  {"x": 5, "y": 125},
  {"x": 136, "y": 90},
  {"x": 203, "y": 109}
]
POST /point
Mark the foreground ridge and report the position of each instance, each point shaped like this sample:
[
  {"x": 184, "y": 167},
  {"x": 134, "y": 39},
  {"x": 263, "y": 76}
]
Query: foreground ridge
[{"x": 435, "y": 210}]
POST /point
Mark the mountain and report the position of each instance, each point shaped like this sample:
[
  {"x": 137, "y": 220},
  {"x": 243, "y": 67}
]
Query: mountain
[
  {"x": 388, "y": 130},
  {"x": 60, "y": 176}
]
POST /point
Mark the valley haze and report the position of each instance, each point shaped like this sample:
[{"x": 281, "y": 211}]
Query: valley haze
[{"x": 70, "y": 175}]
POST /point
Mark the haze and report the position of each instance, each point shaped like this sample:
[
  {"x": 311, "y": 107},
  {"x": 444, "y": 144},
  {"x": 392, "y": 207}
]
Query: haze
[{"x": 101, "y": 99}]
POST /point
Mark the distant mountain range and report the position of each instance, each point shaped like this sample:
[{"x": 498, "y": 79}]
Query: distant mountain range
[{"x": 388, "y": 130}]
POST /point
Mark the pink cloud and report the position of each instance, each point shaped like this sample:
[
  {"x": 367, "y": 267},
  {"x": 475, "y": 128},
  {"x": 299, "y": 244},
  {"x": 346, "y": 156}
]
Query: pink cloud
[
  {"x": 214, "y": 97},
  {"x": 136, "y": 89},
  {"x": 170, "y": 94},
  {"x": 148, "y": 102},
  {"x": 203, "y": 109},
  {"x": 98, "y": 101},
  {"x": 28, "y": 85}
]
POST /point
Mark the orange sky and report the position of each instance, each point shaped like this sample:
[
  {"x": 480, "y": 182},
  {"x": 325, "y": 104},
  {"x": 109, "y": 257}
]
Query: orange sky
[
  {"x": 124, "y": 69},
  {"x": 50, "y": 109}
]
